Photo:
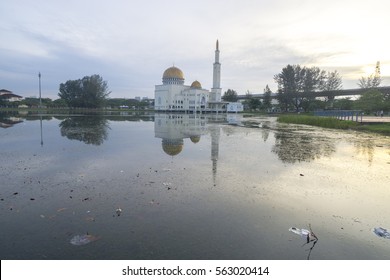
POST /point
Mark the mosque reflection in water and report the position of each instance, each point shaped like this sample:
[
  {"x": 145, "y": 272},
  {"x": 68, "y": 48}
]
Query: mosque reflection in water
[
  {"x": 174, "y": 128},
  {"x": 289, "y": 144}
]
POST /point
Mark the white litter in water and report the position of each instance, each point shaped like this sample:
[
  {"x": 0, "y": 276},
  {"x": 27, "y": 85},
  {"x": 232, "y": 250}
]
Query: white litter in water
[{"x": 302, "y": 232}]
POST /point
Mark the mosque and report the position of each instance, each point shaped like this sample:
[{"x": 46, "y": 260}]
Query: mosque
[{"x": 174, "y": 96}]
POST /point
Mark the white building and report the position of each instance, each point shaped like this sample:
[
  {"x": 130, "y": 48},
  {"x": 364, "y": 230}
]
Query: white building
[
  {"x": 235, "y": 107},
  {"x": 174, "y": 96},
  {"x": 9, "y": 96}
]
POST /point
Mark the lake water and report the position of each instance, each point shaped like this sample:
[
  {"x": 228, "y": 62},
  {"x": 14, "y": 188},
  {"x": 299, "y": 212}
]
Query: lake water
[{"x": 160, "y": 186}]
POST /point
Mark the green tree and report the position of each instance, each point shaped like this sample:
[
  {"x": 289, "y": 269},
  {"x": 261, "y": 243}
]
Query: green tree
[
  {"x": 230, "y": 95},
  {"x": 287, "y": 87},
  {"x": 372, "y": 81},
  {"x": 251, "y": 102},
  {"x": 254, "y": 103},
  {"x": 267, "y": 97},
  {"x": 295, "y": 83},
  {"x": 370, "y": 101},
  {"x": 59, "y": 103},
  {"x": 88, "y": 92},
  {"x": 312, "y": 79},
  {"x": 343, "y": 103},
  {"x": 331, "y": 82}
]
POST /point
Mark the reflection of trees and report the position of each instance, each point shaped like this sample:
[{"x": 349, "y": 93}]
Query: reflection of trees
[
  {"x": 365, "y": 147},
  {"x": 88, "y": 129},
  {"x": 264, "y": 125},
  {"x": 291, "y": 147}
]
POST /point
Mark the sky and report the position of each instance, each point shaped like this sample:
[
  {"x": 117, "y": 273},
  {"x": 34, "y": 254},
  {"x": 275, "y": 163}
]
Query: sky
[{"x": 130, "y": 43}]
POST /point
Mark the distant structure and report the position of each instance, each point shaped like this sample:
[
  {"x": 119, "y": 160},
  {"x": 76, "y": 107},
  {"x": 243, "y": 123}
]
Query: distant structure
[
  {"x": 174, "y": 96},
  {"x": 9, "y": 96}
]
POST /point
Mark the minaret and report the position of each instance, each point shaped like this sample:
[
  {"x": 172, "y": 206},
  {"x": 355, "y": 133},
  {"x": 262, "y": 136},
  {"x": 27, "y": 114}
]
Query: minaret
[
  {"x": 216, "y": 90},
  {"x": 215, "y": 133}
]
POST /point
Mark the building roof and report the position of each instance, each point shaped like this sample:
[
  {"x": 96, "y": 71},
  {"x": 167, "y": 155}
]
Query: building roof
[
  {"x": 196, "y": 84},
  {"x": 4, "y": 91},
  {"x": 173, "y": 73},
  {"x": 7, "y": 94}
]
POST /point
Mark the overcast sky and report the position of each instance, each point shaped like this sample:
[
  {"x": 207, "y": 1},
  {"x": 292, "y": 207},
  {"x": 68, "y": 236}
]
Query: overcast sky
[{"x": 130, "y": 43}]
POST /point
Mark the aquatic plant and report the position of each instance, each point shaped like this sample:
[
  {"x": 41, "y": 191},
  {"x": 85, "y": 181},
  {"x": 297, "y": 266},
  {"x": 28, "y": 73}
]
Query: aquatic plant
[{"x": 328, "y": 122}]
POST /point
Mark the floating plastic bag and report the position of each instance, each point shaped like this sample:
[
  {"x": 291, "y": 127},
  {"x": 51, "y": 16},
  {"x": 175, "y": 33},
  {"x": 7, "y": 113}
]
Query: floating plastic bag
[
  {"x": 302, "y": 232},
  {"x": 382, "y": 232},
  {"x": 305, "y": 233},
  {"x": 84, "y": 239}
]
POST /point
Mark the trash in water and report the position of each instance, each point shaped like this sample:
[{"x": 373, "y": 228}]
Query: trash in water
[
  {"x": 305, "y": 233},
  {"x": 308, "y": 235},
  {"x": 302, "y": 232},
  {"x": 84, "y": 239},
  {"x": 382, "y": 232},
  {"x": 118, "y": 212}
]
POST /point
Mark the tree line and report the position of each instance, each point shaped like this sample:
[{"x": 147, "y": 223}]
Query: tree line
[
  {"x": 296, "y": 84},
  {"x": 87, "y": 92}
]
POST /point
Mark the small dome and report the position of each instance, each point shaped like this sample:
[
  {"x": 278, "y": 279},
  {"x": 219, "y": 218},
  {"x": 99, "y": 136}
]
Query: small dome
[
  {"x": 196, "y": 84},
  {"x": 172, "y": 147},
  {"x": 173, "y": 73},
  {"x": 195, "y": 139}
]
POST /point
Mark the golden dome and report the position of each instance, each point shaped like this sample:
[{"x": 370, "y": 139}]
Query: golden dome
[
  {"x": 195, "y": 139},
  {"x": 196, "y": 84},
  {"x": 173, "y": 73},
  {"x": 172, "y": 148}
]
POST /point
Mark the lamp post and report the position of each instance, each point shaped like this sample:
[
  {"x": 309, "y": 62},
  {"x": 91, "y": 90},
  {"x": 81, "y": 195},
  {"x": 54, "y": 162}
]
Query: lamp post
[
  {"x": 40, "y": 106},
  {"x": 40, "y": 101}
]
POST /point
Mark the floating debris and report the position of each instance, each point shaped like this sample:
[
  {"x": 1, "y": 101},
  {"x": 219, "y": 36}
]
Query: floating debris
[
  {"x": 302, "y": 232},
  {"x": 118, "y": 212},
  {"x": 382, "y": 232},
  {"x": 308, "y": 235},
  {"x": 84, "y": 239},
  {"x": 305, "y": 233}
]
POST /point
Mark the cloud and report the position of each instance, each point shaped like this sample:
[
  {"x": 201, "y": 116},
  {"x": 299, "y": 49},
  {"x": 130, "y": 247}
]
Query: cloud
[{"x": 131, "y": 43}]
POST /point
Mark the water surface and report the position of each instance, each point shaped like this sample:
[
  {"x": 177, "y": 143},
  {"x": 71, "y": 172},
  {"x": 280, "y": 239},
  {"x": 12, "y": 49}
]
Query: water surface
[{"x": 189, "y": 187}]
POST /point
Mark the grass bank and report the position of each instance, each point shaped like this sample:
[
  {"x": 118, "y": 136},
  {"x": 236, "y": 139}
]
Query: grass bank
[{"x": 335, "y": 123}]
